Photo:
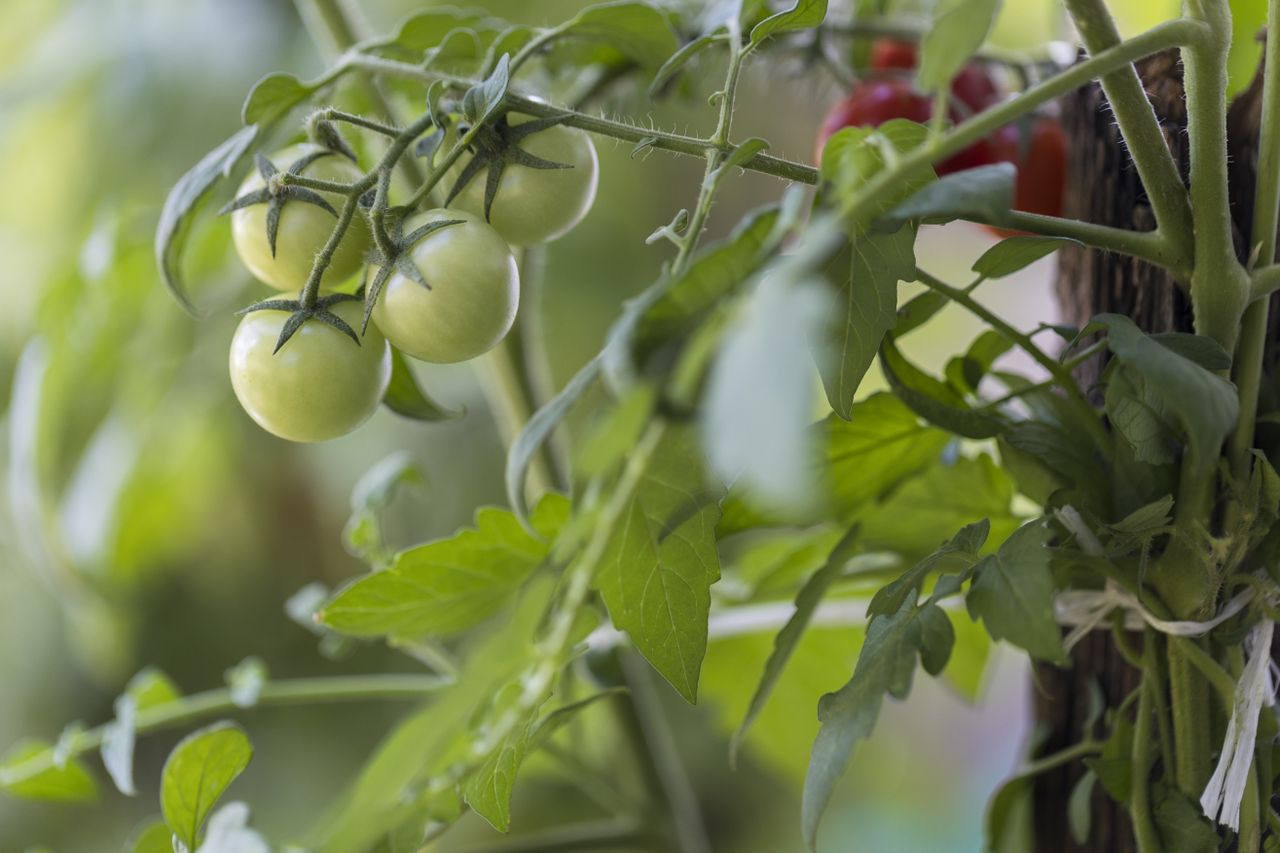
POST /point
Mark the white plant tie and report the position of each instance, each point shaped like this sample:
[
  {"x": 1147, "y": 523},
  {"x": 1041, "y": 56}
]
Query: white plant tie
[
  {"x": 1086, "y": 609},
  {"x": 1225, "y": 792}
]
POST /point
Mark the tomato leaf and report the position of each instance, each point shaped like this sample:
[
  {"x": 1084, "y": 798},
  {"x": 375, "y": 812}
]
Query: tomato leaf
[
  {"x": 983, "y": 192},
  {"x": 636, "y": 30},
  {"x": 447, "y": 586},
  {"x": 155, "y": 837},
  {"x": 1016, "y": 253},
  {"x": 1012, "y": 593},
  {"x": 659, "y": 565},
  {"x": 405, "y": 396},
  {"x": 426, "y": 29},
  {"x": 272, "y": 97},
  {"x": 682, "y": 57},
  {"x": 183, "y": 202},
  {"x": 807, "y": 601},
  {"x": 804, "y": 15},
  {"x": 960, "y": 550},
  {"x": 197, "y": 772},
  {"x": 933, "y": 400},
  {"x": 69, "y": 783},
  {"x": 959, "y": 28},
  {"x": 483, "y": 99}
]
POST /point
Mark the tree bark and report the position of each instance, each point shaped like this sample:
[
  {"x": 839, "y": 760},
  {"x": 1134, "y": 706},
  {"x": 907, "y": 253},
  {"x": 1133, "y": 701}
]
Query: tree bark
[{"x": 1103, "y": 187}]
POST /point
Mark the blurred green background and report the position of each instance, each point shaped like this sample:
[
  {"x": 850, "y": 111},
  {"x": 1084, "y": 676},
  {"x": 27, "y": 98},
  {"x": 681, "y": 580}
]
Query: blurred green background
[{"x": 146, "y": 521}]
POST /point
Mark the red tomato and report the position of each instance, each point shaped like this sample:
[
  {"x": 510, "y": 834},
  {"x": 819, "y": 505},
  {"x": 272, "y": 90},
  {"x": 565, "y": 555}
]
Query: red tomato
[
  {"x": 871, "y": 103},
  {"x": 890, "y": 54},
  {"x": 1041, "y": 158}
]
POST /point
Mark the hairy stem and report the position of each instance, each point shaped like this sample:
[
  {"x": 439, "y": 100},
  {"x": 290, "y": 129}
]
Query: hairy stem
[
  {"x": 212, "y": 703},
  {"x": 1144, "y": 829}
]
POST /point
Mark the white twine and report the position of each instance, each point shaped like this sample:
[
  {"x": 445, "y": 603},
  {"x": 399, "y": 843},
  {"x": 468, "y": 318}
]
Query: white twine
[
  {"x": 1225, "y": 792},
  {"x": 1085, "y": 610}
]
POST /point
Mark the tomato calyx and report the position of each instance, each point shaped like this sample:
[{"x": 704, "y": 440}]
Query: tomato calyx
[
  {"x": 398, "y": 257},
  {"x": 276, "y": 193},
  {"x": 300, "y": 313},
  {"x": 325, "y": 133},
  {"x": 497, "y": 146}
]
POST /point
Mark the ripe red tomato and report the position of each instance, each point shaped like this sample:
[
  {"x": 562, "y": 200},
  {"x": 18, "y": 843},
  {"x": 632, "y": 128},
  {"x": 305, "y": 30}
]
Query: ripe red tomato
[
  {"x": 1040, "y": 154},
  {"x": 972, "y": 86},
  {"x": 871, "y": 103},
  {"x": 890, "y": 54}
]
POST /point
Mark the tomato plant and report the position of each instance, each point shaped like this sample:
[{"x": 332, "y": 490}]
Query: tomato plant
[{"x": 913, "y": 525}]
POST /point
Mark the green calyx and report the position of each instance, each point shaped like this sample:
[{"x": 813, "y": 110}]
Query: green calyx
[
  {"x": 397, "y": 256},
  {"x": 300, "y": 313},
  {"x": 497, "y": 146},
  {"x": 276, "y": 193}
]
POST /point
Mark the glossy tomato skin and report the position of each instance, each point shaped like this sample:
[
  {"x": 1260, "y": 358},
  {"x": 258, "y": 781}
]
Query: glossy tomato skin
[
  {"x": 475, "y": 291},
  {"x": 871, "y": 103},
  {"x": 1040, "y": 155},
  {"x": 972, "y": 86},
  {"x": 303, "y": 228},
  {"x": 535, "y": 206},
  {"x": 320, "y": 385},
  {"x": 890, "y": 54}
]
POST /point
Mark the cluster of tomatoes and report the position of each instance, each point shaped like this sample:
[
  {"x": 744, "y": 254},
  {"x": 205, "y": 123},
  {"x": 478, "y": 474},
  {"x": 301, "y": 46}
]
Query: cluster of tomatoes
[
  {"x": 1037, "y": 147},
  {"x": 451, "y": 294}
]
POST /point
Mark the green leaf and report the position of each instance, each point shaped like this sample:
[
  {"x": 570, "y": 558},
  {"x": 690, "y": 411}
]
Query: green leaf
[
  {"x": 197, "y": 772},
  {"x": 70, "y": 783},
  {"x": 447, "y": 586},
  {"x": 737, "y": 158},
  {"x": 373, "y": 493},
  {"x": 983, "y": 192},
  {"x": 1203, "y": 404},
  {"x": 483, "y": 99},
  {"x": 1181, "y": 823},
  {"x": 272, "y": 97},
  {"x": 958, "y": 552},
  {"x": 864, "y": 278},
  {"x": 682, "y": 57},
  {"x": 155, "y": 837},
  {"x": 1012, "y": 593},
  {"x": 856, "y": 155},
  {"x": 965, "y": 373},
  {"x": 804, "y": 15},
  {"x": 959, "y": 28},
  {"x": 183, "y": 202},
  {"x": 881, "y": 444},
  {"x": 926, "y": 510},
  {"x": 539, "y": 429},
  {"x": 1079, "y": 814},
  {"x": 659, "y": 565},
  {"x": 807, "y": 601},
  {"x": 933, "y": 400},
  {"x": 427, "y": 28},
  {"x": 1016, "y": 253},
  {"x": 613, "y": 435},
  {"x": 405, "y": 397},
  {"x": 755, "y": 419},
  {"x": 151, "y": 688},
  {"x": 886, "y": 665},
  {"x": 637, "y": 30}
]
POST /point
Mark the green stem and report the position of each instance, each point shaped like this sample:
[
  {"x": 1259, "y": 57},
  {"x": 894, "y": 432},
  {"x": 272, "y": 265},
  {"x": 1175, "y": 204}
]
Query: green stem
[
  {"x": 1058, "y": 370},
  {"x": 1190, "y": 706},
  {"x": 1150, "y": 246},
  {"x": 1266, "y": 220},
  {"x": 1144, "y": 829},
  {"x": 1219, "y": 284},
  {"x": 212, "y": 703},
  {"x": 509, "y": 401},
  {"x": 1138, "y": 124},
  {"x": 531, "y": 341}
]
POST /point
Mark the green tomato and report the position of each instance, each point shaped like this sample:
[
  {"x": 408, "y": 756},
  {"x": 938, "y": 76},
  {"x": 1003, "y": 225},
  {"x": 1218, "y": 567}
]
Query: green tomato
[
  {"x": 534, "y": 206},
  {"x": 320, "y": 385},
  {"x": 473, "y": 296},
  {"x": 303, "y": 228}
]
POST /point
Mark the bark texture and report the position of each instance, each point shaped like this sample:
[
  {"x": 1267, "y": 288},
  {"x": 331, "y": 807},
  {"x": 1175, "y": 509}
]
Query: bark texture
[{"x": 1104, "y": 187}]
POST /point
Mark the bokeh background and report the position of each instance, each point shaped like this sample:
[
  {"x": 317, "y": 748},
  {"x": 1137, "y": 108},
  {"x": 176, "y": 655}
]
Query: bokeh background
[{"x": 144, "y": 520}]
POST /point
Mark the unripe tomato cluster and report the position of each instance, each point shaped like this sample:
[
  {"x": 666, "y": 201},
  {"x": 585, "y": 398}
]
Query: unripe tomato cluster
[
  {"x": 320, "y": 384},
  {"x": 1036, "y": 147}
]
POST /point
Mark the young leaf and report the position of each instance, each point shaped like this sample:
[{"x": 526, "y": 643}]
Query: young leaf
[
  {"x": 1204, "y": 404},
  {"x": 447, "y": 586},
  {"x": 659, "y": 565},
  {"x": 933, "y": 400},
  {"x": 70, "y": 783},
  {"x": 428, "y": 28},
  {"x": 880, "y": 445},
  {"x": 678, "y": 60},
  {"x": 804, "y": 15},
  {"x": 614, "y": 434},
  {"x": 1012, "y": 593},
  {"x": 488, "y": 791},
  {"x": 984, "y": 192},
  {"x": 807, "y": 601},
  {"x": 184, "y": 201},
  {"x": 886, "y": 665},
  {"x": 272, "y": 97},
  {"x": 196, "y": 774},
  {"x": 755, "y": 414},
  {"x": 483, "y": 99},
  {"x": 959, "y": 28},
  {"x": 1016, "y": 253},
  {"x": 864, "y": 275},
  {"x": 637, "y": 30},
  {"x": 405, "y": 397},
  {"x": 960, "y": 550}
]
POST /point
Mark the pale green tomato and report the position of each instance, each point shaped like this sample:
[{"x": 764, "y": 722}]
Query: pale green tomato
[
  {"x": 534, "y": 206},
  {"x": 473, "y": 296},
  {"x": 320, "y": 385},
  {"x": 303, "y": 229}
]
